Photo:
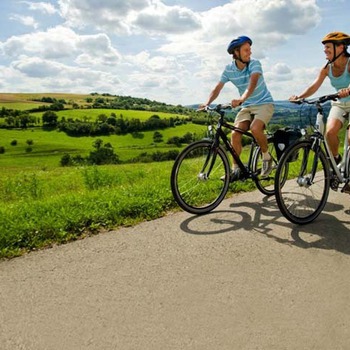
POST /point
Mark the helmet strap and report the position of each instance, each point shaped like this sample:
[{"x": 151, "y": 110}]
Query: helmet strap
[
  {"x": 334, "y": 57},
  {"x": 238, "y": 57}
]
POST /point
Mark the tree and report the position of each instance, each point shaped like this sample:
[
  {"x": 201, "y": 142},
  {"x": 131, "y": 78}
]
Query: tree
[
  {"x": 103, "y": 154},
  {"x": 157, "y": 137},
  {"x": 49, "y": 118}
]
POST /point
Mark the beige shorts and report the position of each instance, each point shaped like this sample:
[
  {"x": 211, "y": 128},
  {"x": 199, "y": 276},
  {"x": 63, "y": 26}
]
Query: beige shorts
[
  {"x": 261, "y": 112},
  {"x": 338, "y": 109}
]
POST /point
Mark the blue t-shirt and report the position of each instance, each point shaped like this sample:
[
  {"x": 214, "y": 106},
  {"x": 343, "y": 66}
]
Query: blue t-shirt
[
  {"x": 240, "y": 78},
  {"x": 341, "y": 82}
]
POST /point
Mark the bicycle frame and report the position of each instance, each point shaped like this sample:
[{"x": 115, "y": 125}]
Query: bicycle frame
[
  {"x": 340, "y": 169},
  {"x": 201, "y": 173},
  {"x": 220, "y": 134}
]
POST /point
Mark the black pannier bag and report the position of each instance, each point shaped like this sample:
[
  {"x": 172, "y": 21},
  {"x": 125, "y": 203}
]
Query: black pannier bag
[{"x": 285, "y": 137}]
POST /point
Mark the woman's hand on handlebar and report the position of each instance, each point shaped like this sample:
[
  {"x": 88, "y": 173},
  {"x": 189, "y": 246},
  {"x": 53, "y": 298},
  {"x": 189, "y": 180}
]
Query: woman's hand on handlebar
[
  {"x": 202, "y": 107},
  {"x": 344, "y": 92},
  {"x": 294, "y": 98}
]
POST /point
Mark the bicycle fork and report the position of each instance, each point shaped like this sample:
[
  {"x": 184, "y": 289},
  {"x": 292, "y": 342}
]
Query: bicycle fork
[
  {"x": 209, "y": 161},
  {"x": 303, "y": 180}
]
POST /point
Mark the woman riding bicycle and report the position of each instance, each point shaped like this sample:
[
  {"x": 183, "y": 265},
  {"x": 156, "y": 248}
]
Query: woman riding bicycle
[
  {"x": 337, "y": 70},
  {"x": 257, "y": 103}
]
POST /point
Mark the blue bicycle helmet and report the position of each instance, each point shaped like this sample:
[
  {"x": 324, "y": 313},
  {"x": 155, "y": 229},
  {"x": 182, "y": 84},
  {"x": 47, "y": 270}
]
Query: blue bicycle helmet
[{"x": 237, "y": 43}]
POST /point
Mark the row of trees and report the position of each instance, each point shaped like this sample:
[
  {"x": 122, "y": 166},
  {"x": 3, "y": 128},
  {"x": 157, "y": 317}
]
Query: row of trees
[
  {"x": 104, "y": 154},
  {"x": 103, "y": 125},
  {"x": 113, "y": 125},
  {"x": 108, "y": 101}
]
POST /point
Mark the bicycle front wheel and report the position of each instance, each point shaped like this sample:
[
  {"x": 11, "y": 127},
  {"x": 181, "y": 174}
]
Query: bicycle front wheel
[
  {"x": 200, "y": 177},
  {"x": 303, "y": 196}
]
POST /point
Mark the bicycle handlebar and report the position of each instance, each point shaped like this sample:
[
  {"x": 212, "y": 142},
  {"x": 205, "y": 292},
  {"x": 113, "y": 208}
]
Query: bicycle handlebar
[
  {"x": 217, "y": 108},
  {"x": 318, "y": 100}
]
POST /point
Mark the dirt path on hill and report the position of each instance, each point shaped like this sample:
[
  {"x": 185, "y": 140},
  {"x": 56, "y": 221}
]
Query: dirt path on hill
[{"x": 240, "y": 278}]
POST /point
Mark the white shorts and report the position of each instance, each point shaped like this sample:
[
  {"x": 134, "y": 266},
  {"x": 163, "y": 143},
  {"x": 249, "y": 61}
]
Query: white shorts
[{"x": 338, "y": 110}]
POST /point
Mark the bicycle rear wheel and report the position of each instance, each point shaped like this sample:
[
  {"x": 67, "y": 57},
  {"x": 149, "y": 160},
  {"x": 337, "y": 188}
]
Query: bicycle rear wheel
[
  {"x": 196, "y": 181},
  {"x": 303, "y": 196},
  {"x": 267, "y": 185}
]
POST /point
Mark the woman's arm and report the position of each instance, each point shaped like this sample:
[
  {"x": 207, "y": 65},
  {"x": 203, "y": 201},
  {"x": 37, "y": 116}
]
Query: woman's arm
[{"x": 313, "y": 87}]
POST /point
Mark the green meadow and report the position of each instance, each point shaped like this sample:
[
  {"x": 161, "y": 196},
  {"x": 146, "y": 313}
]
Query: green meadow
[
  {"x": 42, "y": 203},
  {"x": 49, "y": 146}
]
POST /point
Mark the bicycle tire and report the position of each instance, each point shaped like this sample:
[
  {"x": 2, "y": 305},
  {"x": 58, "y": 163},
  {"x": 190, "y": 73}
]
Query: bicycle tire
[
  {"x": 192, "y": 188},
  {"x": 267, "y": 185},
  {"x": 299, "y": 200},
  {"x": 347, "y": 163}
]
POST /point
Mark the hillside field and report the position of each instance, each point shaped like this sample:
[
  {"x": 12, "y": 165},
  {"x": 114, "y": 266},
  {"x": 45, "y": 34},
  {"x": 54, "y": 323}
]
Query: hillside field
[
  {"x": 49, "y": 146},
  {"x": 43, "y": 203}
]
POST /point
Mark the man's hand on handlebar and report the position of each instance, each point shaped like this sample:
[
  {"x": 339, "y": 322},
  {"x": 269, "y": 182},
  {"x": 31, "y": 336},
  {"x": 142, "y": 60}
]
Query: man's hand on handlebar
[{"x": 236, "y": 103}]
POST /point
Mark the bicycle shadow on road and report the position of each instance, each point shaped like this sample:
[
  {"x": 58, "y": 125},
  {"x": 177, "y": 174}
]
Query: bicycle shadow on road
[{"x": 328, "y": 231}]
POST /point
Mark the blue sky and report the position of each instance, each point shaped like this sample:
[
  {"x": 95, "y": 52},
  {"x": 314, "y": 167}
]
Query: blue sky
[{"x": 171, "y": 51}]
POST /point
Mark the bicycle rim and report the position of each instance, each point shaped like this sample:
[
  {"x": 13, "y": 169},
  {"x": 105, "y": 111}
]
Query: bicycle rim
[
  {"x": 301, "y": 199},
  {"x": 267, "y": 185},
  {"x": 196, "y": 177}
]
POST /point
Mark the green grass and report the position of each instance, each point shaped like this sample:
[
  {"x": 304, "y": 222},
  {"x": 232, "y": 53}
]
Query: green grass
[
  {"x": 41, "y": 208},
  {"x": 42, "y": 204}
]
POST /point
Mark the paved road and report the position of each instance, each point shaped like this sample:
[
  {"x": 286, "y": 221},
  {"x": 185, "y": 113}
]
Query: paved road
[{"x": 240, "y": 278}]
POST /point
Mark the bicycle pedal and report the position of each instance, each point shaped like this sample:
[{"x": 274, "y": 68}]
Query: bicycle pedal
[
  {"x": 334, "y": 184},
  {"x": 346, "y": 188}
]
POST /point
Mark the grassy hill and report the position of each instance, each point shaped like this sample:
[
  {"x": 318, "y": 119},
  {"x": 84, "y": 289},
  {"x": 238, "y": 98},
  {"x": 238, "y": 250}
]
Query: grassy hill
[{"x": 42, "y": 203}]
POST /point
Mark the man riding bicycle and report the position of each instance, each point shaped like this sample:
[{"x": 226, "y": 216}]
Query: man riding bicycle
[{"x": 256, "y": 100}]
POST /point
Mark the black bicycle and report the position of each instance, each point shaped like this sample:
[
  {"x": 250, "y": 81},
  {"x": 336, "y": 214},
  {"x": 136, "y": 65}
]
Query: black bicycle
[
  {"x": 312, "y": 172},
  {"x": 200, "y": 176}
]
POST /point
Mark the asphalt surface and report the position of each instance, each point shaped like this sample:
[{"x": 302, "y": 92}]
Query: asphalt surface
[{"x": 242, "y": 277}]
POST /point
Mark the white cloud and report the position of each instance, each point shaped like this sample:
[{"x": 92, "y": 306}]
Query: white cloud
[
  {"x": 129, "y": 17},
  {"x": 53, "y": 76},
  {"x": 59, "y": 43},
  {"x": 159, "y": 18},
  {"x": 111, "y": 15},
  {"x": 278, "y": 16},
  {"x": 55, "y": 43},
  {"x": 25, "y": 20},
  {"x": 36, "y": 67},
  {"x": 44, "y": 7},
  {"x": 171, "y": 53}
]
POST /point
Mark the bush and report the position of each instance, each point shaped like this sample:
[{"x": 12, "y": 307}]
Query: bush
[
  {"x": 14, "y": 143},
  {"x": 2, "y": 149},
  {"x": 66, "y": 160}
]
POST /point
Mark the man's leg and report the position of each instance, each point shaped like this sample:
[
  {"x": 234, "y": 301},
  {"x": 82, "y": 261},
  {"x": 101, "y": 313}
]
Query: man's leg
[
  {"x": 236, "y": 138},
  {"x": 257, "y": 128}
]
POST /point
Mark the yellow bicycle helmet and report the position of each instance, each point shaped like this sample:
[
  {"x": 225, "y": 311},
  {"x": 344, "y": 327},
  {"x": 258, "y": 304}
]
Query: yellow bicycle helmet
[{"x": 337, "y": 38}]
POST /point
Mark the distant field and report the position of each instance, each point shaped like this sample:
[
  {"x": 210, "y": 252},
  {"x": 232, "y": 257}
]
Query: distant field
[
  {"x": 49, "y": 146},
  {"x": 92, "y": 114},
  {"x": 23, "y": 101},
  {"x": 23, "y": 97},
  {"x": 18, "y": 101}
]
